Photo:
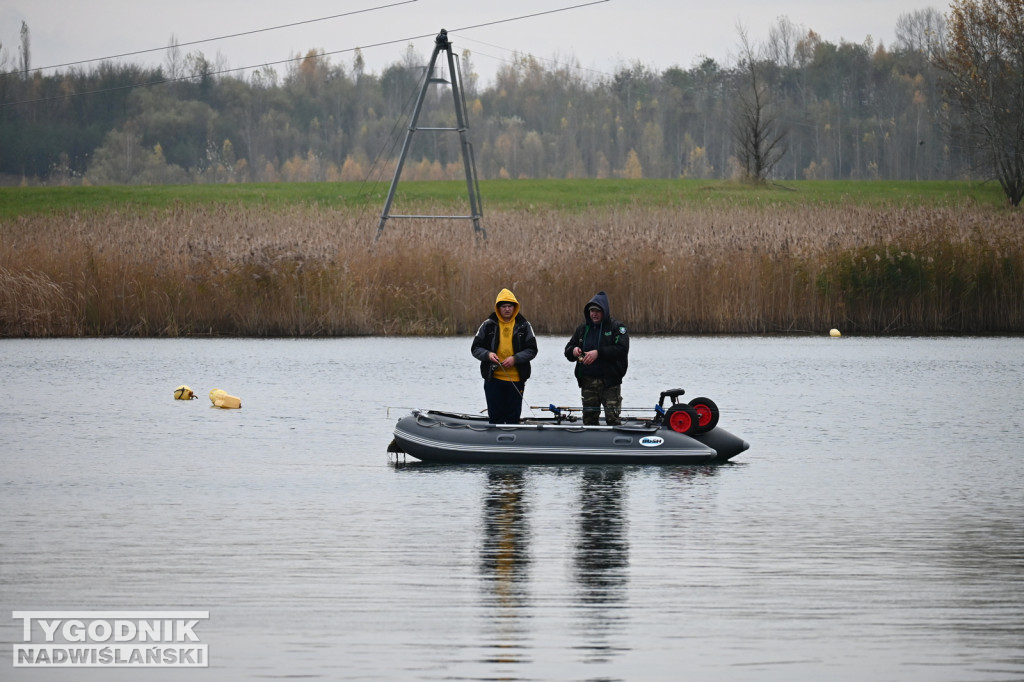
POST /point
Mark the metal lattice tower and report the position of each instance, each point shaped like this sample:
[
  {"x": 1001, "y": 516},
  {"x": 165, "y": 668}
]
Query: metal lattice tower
[{"x": 441, "y": 44}]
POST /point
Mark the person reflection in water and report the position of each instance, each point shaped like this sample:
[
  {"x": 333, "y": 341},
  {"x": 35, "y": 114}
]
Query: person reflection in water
[
  {"x": 505, "y": 564},
  {"x": 602, "y": 559},
  {"x": 600, "y": 564}
]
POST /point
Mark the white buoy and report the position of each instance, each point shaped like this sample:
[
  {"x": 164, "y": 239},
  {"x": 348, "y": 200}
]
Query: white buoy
[{"x": 834, "y": 333}]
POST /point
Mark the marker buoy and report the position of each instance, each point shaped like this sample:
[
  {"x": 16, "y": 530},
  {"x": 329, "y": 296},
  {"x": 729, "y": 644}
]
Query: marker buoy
[
  {"x": 220, "y": 398},
  {"x": 183, "y": 392}
]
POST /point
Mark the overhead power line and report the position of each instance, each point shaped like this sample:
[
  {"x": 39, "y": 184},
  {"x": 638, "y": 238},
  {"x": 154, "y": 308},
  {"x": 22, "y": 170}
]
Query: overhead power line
[
  {"x": 290, "y": 60},
  {"x": 232, "y": 35},
  {"x": 553, "y": 62}
]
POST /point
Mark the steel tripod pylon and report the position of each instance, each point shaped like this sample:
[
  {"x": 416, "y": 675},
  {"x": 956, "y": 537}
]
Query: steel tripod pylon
[{"x": 441, "y": 43}]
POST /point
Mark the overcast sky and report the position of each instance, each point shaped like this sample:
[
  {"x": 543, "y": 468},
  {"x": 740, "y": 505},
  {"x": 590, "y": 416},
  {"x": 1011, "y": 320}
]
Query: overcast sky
[{"x": 599, "y": 36}]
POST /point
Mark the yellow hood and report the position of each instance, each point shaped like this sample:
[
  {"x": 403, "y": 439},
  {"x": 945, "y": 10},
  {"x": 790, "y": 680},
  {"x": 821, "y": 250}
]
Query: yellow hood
[{"x": 506, "y": 295}]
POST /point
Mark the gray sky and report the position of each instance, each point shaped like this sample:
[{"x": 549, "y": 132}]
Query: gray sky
[{"x": 602, "y": 36}]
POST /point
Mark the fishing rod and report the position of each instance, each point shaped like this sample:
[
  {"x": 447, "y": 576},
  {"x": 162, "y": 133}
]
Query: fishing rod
[
  {"x": 672, "y": 394},
  {"x": 574, "y": 408}
]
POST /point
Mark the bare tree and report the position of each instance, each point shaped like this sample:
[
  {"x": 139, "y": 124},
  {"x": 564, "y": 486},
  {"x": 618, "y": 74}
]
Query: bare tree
[
  {"x": 25, "y": 53},
  {"x": 358, "y": 65},
  {"x": 759, "y": 137},
  {"x": 174, "y": 60},
  {"x": 783, "y": 38},
  {"x": 922, "y": 31},
  {"x": 984, "y": 64}
]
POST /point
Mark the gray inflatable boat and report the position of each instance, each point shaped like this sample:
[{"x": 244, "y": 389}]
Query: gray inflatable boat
[{"x": 685, "y": 433}]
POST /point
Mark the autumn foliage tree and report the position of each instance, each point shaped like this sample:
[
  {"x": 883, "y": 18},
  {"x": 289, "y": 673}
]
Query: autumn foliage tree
[{"x": 984, "y": 64}]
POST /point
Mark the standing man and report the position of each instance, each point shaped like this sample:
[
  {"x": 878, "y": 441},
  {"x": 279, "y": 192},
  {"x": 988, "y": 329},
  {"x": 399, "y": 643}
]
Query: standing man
[
  {"x": 505, "y": 344},
  {"x": 599, "y": 347}
]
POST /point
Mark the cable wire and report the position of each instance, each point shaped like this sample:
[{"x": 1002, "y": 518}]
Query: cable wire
[
  {"x": 163, "y": 81},
  {"x": 233, "y": 35},
  {"x": 553, "y": 62}
]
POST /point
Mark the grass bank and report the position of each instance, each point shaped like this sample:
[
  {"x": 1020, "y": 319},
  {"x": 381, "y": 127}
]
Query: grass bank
[
  {"x": 674, "y": 256},
  {"x": 569, "y": 195}
]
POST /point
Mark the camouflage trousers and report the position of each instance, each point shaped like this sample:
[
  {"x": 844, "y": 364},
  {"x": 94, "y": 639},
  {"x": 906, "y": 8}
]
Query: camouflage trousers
[{"x": 595, "y": 394}]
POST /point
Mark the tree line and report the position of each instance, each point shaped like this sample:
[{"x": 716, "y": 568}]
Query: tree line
[{"x": 830, "y": 110}]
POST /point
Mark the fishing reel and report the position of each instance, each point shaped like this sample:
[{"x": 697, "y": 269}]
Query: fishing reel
[{"x": 561, "y": 414}]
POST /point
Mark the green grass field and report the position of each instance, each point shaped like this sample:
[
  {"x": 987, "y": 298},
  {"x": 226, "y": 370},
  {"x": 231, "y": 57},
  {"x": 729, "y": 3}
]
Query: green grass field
[{"x": 503, "y": 194}]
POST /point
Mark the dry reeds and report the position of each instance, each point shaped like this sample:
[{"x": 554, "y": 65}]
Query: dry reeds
[{"x": 307, "y": 271}]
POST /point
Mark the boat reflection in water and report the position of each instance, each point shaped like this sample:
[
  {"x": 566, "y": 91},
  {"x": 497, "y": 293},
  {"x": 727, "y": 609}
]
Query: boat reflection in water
[{"x": 521, "y": 583}]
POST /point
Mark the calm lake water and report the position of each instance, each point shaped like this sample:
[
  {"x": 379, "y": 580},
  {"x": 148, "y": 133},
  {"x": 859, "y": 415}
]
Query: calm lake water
[{"x": 874, "y": 530}]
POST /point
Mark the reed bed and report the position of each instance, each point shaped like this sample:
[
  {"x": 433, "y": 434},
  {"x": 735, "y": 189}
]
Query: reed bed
[{"x": 315, "y": 271}]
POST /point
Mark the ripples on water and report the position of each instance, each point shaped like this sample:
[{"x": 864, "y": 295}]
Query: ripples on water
[{"x": 873, "y": 531}]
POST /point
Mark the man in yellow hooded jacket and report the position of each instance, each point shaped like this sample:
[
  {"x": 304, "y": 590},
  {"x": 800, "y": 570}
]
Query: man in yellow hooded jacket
[{"x": 505, "y": 344}]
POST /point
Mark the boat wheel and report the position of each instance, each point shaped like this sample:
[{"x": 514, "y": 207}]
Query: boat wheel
[
  {"x": 707, "y": 414},
  {"x": 682, "y": 418}
]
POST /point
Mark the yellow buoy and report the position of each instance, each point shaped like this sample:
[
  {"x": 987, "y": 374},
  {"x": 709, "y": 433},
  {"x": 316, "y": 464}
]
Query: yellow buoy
[
  {"x": 220, "y": 398},
  {"x": 834, "y": 333},
  {"x": 183, "y": 392}
]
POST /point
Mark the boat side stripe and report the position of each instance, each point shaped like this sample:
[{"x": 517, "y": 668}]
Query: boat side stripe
[{"x": 511, "y": 449}]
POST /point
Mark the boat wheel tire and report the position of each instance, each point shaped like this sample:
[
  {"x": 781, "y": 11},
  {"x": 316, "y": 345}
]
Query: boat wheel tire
[
  {"x": 682, "y": 419},
  {"x": 707, "y": 414}
]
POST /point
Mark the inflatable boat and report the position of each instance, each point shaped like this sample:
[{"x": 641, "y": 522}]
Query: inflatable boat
[{"x": 684, "y": 433}]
